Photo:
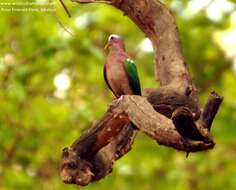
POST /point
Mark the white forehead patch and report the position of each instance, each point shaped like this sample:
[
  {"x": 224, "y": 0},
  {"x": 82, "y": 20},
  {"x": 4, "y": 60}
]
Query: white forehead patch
[{"x": 113, "y": 36}]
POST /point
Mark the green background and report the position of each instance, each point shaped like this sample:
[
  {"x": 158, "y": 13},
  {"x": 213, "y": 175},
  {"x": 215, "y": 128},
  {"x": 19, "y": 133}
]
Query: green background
[{"x": 38, "y": 119}]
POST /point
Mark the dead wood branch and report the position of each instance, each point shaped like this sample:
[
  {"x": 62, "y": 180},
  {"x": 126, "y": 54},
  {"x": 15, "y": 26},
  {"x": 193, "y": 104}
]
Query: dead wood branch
[
  {"x": 210, "y": 110},
  {"x": 76, "y": 168},
  {"x": 87, "y": 161},
  {"x": 170, "y": 114}
]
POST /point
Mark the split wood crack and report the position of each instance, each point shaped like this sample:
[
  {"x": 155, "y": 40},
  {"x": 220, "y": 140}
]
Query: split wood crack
[{"x": 170, "y": 115}]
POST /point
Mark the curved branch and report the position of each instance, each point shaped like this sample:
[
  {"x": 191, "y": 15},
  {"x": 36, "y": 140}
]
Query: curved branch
[
  {"x": 91, "y": 157},
  {"x": 170, "y": 114}
]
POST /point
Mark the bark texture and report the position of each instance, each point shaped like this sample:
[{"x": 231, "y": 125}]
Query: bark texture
[{"x": 170, "y": 114}]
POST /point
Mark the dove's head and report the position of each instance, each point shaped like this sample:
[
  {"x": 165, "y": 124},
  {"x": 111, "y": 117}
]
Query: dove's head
[{"x": 114, "y": 40}]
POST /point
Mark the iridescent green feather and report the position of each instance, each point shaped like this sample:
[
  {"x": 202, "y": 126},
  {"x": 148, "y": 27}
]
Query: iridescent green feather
[{"x": 132, "y": 74}]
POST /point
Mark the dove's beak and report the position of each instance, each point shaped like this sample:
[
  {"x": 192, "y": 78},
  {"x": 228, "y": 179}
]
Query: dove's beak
[{"x": 107, "y": 46}]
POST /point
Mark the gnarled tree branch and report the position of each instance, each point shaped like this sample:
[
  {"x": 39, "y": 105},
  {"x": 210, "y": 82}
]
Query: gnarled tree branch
[
  {"x": 86, "y": 160},
  {"x": 170, "y": 114}
]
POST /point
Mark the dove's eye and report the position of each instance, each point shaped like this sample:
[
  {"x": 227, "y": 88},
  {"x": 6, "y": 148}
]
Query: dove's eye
[{"x": 113, "y": 37}]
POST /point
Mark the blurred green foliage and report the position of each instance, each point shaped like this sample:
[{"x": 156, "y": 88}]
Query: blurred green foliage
[{"x": 37, "y": 120}]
